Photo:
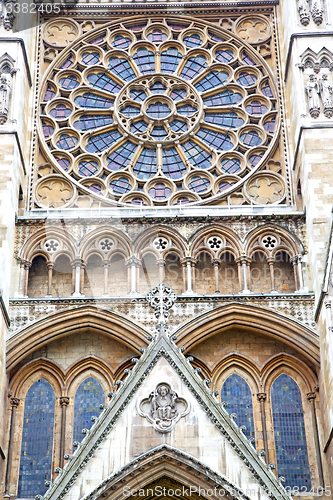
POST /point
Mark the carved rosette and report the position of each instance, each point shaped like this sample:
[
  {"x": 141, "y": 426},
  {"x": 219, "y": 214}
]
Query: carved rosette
[{"x": 163, "y": 408}]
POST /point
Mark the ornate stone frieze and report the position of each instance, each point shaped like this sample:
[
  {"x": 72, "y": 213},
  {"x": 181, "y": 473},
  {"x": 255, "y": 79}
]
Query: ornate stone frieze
[{"x": 163, "y": 408}]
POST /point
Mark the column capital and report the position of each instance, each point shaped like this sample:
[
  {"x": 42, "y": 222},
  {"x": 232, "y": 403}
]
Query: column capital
[
  {"x": 64, "y": 401},
  {"x": 106, "y": 263},
  {"x": 50, "y": 264},
  {"x": 296, "y": 259},
  {"x": 160, "y": 262},
  {"x": 261, "y": 396},
  {"x": 311, "y": 396},
  {"x": 77, "y": 262},
  {"x": 133, "y": 261},
  {"x": 243, "y": 259},
  {"x": 270, "y": 260},
  {"x": 216, "y": 262},
  {"x": 188, "y": 260},
  {"x": 15, "y": 402}
]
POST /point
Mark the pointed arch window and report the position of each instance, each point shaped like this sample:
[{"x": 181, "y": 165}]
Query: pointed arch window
[
  {"x": 237, "y": 393},
  {"x": 37, "y": 440},
  {"x": 89, "y": 395},
  {"x": 289, "y": 433}
]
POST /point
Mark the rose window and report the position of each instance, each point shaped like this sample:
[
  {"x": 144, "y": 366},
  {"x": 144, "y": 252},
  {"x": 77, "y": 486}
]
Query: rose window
[{"x": 158, "y": 112}]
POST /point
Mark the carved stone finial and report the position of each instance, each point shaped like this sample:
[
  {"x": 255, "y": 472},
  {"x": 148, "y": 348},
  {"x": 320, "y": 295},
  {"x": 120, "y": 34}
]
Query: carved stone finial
[
  {"x": 312, "y": 92},
  {"x": 303, "y": 10},
  {"x": 317, "y": 11},
  {"x": 163, "y": 408},
  {"x": 161, "y": 298}
]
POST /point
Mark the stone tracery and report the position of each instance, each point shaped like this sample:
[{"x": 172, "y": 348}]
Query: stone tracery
[{"x": 158, "y": 114}]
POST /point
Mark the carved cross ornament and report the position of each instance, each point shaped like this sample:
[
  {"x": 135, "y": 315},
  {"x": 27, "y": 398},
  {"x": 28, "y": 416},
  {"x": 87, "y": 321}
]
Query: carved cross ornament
[
  {"x": 163, "y": 408},
  {"x": 161, "y": 298}
]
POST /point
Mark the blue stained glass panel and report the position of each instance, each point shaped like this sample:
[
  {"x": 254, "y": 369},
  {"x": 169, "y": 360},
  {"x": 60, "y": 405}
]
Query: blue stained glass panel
[
  {"x": 251, "y": 138},
  {"x": 63, "y": 162},
  {"x": 121, "y": 42},
  {"x": 60, "y": 112},
  {"x": 158, "y": 110},
  {"x": 121, "y": 157},
  {"x": 49, "y": 94},
  {"x": 100, "y": 142},
  {"x": 90, "y": 58},
  {"x": 193, "y": 41},
  {"x": 47, "y": 130},
  {"x": 68, "y": 62},
  {"x": 231, "y": 165},
  {"x": 66, "y": 141},
  {"x": 178, "y": 126},
  {"x": 270, "y": 125},
  {"x": 91, "y": 100},
  {"x": 145, "y": 60},
  {"x": 247, "y": 59},
  {"x": 227, "y": 120},
  {"x": 237, "y": 394},
  {"x": 70, "y": 82},
  {"x": 255, "y": 159},
  {"x": 170, "y": 60},
  {"x": 138, "y": 127},
  {"x": 160, "y": 191},
  {"x": 211, "y": 80},
  {"x": 186, "y": 110},
  {"x": 88, "y": 168},
  {"x": 130, "y": 111},
  {"x": 193, "y": 66},
  {"x": 246, "y": 79},
  {"x": 158, "y": 133},
  {"x": 103, "y": 82},
  {"x": 266, "y": 90},
  {"x": 122, "y": 68},
  {"x": 216, "y": 38},
  {"x": 138, "y": 95},
  {"x": 224, "y": 56},
  {"x": 158, "y": 88},
  {"x": 214, "y": 139},
  {"x": 199, "y": 184},
  {"x": 89, "y": 395},
  {"x": 146, "y": 165},
  {"x": 224, "y": 98},
  {"x": 289, "y": 432},
  {"x": 120, "y": 186},
  {"x": 256, "y": 108},
  {"x": 178, "y": 94},
  {"x": 197, "y": 155},
  {"x": 91, "y": 122},
  {"x": 173, "y": 166},
  {"x": 37, "y": 440}
]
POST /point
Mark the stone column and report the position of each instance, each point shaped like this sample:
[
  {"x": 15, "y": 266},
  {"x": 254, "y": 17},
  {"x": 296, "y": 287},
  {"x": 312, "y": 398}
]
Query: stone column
[
  {"x": 312, "y": 397},
  {"x": 133, "y": 264},
  {"x": 77, "y": 283},
  {"x": 188, "y": 262},
  {"x": 64, "y": 402},
  {"x": 296, "y": 261},
  {"x": 106, "y": 265},
  {"x": 270, "y": 262},
  {"x": 27, "y": 266},
  {"x": 244, "y": 262},
  {"x": 215, "y": 264},
  {"x": 262, "y": 398},
  {"x": 160, "y": 264},
  {"x": 50, "y": 266},
  {"x": 14, "y": 402}
]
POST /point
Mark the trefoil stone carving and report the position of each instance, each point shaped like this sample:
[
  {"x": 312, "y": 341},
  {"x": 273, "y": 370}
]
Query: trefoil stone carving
[{"x": 163, "y": 408}]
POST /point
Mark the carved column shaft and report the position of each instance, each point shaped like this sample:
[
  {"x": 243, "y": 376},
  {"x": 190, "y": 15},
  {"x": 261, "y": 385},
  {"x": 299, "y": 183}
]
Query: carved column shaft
[
  {"x": 14, "y": 404},
  {"x": 270, "y": 262},
  {"x": 64, "y": 401},
  {"x": 50, "y": 267},
  {"x": 312, "y": 398},
  {"x": 27, "y": 266},
  {"x": 216, "y": 264},
  {"x": 106, "y": 277},
  {"x": 262, "y": 397}
]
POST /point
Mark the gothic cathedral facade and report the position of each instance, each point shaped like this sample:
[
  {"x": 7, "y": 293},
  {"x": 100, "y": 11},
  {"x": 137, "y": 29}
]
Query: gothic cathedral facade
[{"x": 166, "y": 246}]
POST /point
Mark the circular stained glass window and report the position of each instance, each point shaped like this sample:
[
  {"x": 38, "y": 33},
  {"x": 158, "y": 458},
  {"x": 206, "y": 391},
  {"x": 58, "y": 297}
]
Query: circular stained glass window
[{"x": 159, "y": 102}]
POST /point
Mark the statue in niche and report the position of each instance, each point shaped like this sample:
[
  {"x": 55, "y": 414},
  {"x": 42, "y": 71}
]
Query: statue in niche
[
  {"x": 326, "y": 95},
  {"x": 312, "y": 92},
  {"x": 304, "y": 13},
  {"x": 5, "y": 91},
  {"x": 317, "y": 11},
  {"x": 163, "y": 408}
]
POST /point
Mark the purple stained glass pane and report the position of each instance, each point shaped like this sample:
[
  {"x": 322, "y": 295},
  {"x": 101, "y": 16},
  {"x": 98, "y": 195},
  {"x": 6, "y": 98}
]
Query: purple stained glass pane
[
  {"x": 157, "y": 36},
  {"x": 92, "y": 100},
  {"x": 255, "y": 159},
  {"x": 60, "y": 112},
  {"x": 100, "y": 142},
  {"x": 120, "y": 158},
  {"x": 90, "y": 58},
  {"x": 266, "y": 90},
  {"x": 49, "y": 94},
  {"x": 193, "y": 40},
  {"x": 160, "y": 191},
  {"x": 67, "y": 141},
  {"x": 95, "y": 188},
  {"x": 63, "y": 162},
  {"x": 224, "y": 56},
  {"x": 173, "y": 166},
  {"x": 70, "y": 82},
  {"x": 231, "y": 165},
  {"x": 224, "y": 98},
  {"x": 121, "y": 42},
  {"x": 247, "y": 59},
  {"x": 256, "y": 108},
  {"x": 103, "y": 82},
  {"x": 199, "y": 184},
  {"x": 68, "y": 62},
  {"x": 91, "y": 122},
  {"x": 227, "y": 120},
  {"x": 246, "y": 79},
  {"x": 47, "y": 130},
  {"x": 270, "y": 125},
  {"x": 170, "y": 60},
  {"x": 214, "y": 139},
  {"x": 251, "y": 138},
  {"x": 193, "y": 67},
  {"x": 146, "y": 165}
]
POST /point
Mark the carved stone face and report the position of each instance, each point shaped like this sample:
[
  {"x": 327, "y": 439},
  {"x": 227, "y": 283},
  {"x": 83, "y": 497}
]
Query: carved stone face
[
  {"x": 324, "y": 77},
  {"x": 163, "y": 391}
]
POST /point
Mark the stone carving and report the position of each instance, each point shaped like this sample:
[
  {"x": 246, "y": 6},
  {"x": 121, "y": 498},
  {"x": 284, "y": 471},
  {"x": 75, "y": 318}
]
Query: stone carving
[
  {"x": 53, "y": 191},
  {"x": 317, "y": 11},
  {"x": 9, "y": 17},
  {"x": 215, "y": 243},
  {"x": 326, "y": 95},
  {"x": 317, "y": 60},
  {"x": 60, "y": 33},
  {"x": 51, "y": 245},
  {"x": 303, "y": 10},
  {"x": 160, "y": 244},
  {"x": 7, "y": 71},
  {"x": 269, "y": 241},
  {"x": 265, "y": 187},
  {"x": 312, "y": 92},
  {"x": 161, "y": 298},
  {"x": 253, "y": 30},
  {"x": 163, "y": 408},
  {"x": 106, "y": 244}
]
